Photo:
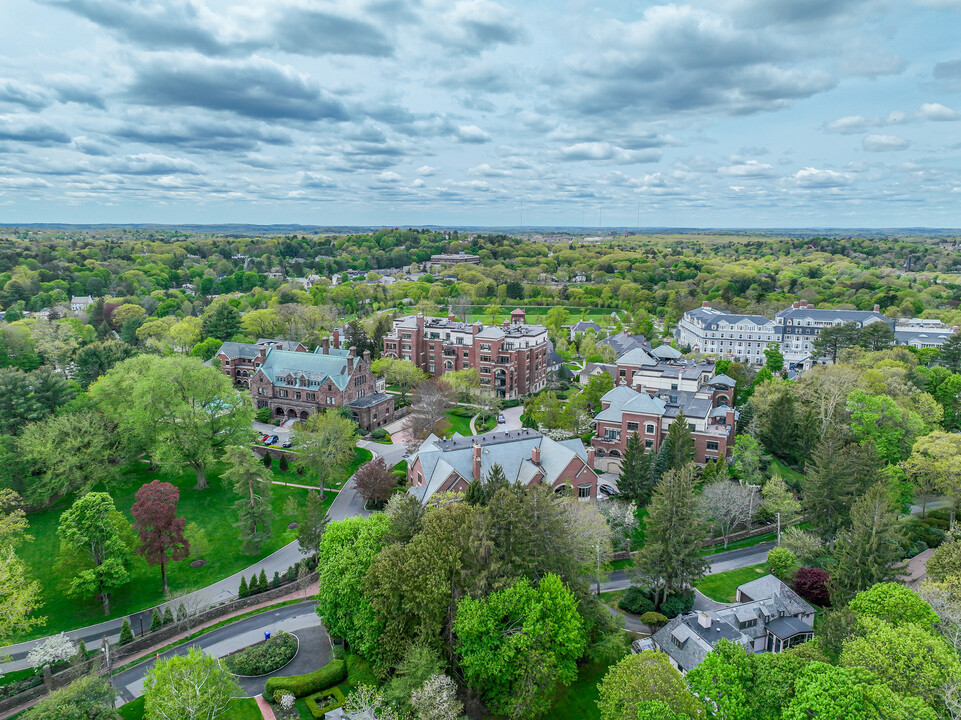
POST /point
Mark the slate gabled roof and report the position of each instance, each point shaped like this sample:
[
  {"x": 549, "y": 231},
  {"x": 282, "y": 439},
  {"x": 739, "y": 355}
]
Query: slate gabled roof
[
  {"x": 317, "y": 367},
  {"x": 636, "y": 357},
  {"x": 623, "y": 399}
]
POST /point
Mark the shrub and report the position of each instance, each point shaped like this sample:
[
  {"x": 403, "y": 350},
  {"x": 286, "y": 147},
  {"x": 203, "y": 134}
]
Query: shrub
[
  {"x": 338, "y": 652},
  {"x": 267, "y": 460},
  {"x": 168, "y": 615},
  {"x": 283, "y": 463},
  {"x": 812, "y": 585},
  {"x": 322, "y": 702},
  {"x": 654, "y": 620},
  {"x": 677, "y": 604},
  {"x": 264, "y": 415},
  {"x": 302, "y": 685},
  {"x": 276, "y": 581},
  {"x": 379, "y": 434},
  {"x": 156, "y": 621},
  {"x": 262, "y": 581},
  {"x": 252, "y": 588},
  {"x": 263, "y": 658},
  {"x": 359, "y": 672},
  {"x": 126, "y": 634},
  {"x": 781, "y": 561},
  {"x": 635, "y": 601}
]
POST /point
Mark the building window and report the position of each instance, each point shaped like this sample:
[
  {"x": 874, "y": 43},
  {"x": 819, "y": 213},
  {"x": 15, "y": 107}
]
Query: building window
[
  {"x": 649, "y": 428},
  {"x": 632, "y": 426},
  {"x": 677, "y": 642},
  {"x": 584, "y": 491},
  {"x": 648, "y": 443},
  {"x": 712, "y": 445},
  {"x": 673, "y": 386}
]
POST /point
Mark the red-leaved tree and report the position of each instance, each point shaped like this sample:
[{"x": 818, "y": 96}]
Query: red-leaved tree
[
  {"x": 812, "y": 585},
  {"x": 161, "y": 531},
  {"x": 374, "y": 482}
]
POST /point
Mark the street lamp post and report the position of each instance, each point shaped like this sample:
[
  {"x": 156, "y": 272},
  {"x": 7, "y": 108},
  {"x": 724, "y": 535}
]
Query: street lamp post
[{"x": 105, "y": 648}]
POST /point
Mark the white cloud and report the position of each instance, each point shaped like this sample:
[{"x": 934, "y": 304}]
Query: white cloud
[
  {"x": 885, "y": 143},
  {"x": 751, "y": 168},
  {"x": 811, "y": 177},
  {"x": 937, "y": 111}
]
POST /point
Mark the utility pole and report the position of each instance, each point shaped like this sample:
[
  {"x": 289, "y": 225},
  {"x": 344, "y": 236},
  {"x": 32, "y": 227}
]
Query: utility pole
[
  {"x": 105, "y": 648},
  {"x": 779, "y": 528}
]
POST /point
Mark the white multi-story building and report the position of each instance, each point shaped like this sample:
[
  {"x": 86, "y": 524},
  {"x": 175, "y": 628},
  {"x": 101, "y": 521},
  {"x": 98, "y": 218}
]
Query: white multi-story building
[
  {"x": 799, "y": 325},
  {"x": 726, "y": 335},
  {"x": 922, "y": 332}
]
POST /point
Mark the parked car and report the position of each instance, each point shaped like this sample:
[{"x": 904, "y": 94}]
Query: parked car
[
  {"x": 264, "y": 438},
  {"x": 606, "y": 490},
  {"x": 273, "y": 440},
  {"x": 287, "y": 444},
  {"x": 501, "y": 419}
]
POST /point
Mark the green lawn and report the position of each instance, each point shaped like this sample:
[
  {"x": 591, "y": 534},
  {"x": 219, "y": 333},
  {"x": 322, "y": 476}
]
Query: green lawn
[
  {"x": 579, "y": 700},
  {"x": 239, "y": 709},
  {"x": 640, "y": 532},
  {"x": 790, "y": 476},
  {"x": 458, "y": 424},
  {"x": 212, "y": 509},
  {"x": 723, "y": 586}
]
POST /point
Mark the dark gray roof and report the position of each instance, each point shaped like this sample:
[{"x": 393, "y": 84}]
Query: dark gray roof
[
  {"x": 787, "y": 627},
  {"x": 235, "y": 350},
  {"x": 856, "y": 316},
  {"x": 623, "y": 342},
  {"x": 369, "y": 400}
]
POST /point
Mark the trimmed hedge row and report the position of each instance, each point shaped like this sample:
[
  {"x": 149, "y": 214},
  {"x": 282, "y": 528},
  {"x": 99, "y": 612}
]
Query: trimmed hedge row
[
  {"x": 323, "y": 702},
  {"x": 302, "y": 685}
]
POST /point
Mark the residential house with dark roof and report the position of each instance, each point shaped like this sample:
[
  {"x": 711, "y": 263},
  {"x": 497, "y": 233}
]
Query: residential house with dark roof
[
  {"x": 767, "y": 617},
  {"x": 526, "y": 456},
  {"x": 582, "y": 326},
  {"x": 622, "y": 342}
]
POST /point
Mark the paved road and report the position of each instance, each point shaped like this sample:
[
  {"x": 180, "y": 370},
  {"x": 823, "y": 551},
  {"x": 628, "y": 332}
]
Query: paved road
[
  {"x": 348, "y": 502},
  {"x": 720, "y": 562},
  {"x": 299, "y": 619}
]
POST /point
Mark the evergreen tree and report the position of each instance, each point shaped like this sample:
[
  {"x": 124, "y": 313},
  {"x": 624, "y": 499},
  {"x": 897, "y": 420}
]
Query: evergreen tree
[
  {"x": 253, "y": 588},
  {"x": 870, "y": 551},
  {"x": 495, "y": 480},
  {"x": 837, "y": 473},
  {"x": 262, "y": 581},
  {"x": 832, "y": 340},
  {"x": 244, "y": 591},
  {"x": 221, "y": 321},
  {"x": 950, "y": 355},
  {"x": 635, "y": 482},
  {"x": 156, "y": 620},
  {"x": 254, "y": 512},
  {"x": 680, "y": 443},
  {"x": 181, "y": 613},
  {"x": 475, "y": 493},
  {"x": 126, "y": 634},
  {"x": 671, "y": 559},
  {"x": 276, "y": 581},
  {"x": 313, "y": 522},
  {"x": 168, "y": 615}
]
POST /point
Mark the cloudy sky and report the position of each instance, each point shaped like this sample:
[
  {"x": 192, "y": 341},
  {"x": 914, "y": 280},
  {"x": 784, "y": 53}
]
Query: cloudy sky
[{"x": 719, "y": 113}]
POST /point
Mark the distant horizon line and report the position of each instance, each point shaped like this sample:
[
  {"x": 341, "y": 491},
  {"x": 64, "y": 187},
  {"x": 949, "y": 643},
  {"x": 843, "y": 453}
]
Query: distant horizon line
[{"x": 585, "y": 229}]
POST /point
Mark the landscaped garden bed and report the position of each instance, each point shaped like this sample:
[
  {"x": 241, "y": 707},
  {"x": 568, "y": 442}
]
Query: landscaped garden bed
[
  {"x": 265, "y": 657},
  {"x": 325, "y": 701}
]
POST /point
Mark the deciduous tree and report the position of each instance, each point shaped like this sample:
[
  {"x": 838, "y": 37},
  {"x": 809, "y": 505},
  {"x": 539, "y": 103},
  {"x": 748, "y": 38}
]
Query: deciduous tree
[
  {"x": 95, "y": 541},
  {"x": 89, "y": 698},
  {"x": 646, "y": 676},
  {"x": 516, "y": 644},
  {"x": 430, "y": 403},
  {"x": 325, "y": 444},
  {"x": 727, "y": 504},
  {"x": 374, "y": 482},
  {"x": 161, "y": 531},
  {"x": 189, "y": 687}
]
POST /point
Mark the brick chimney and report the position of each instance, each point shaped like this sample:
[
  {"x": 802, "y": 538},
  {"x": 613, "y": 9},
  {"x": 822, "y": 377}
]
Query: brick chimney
[
  {"x": 705, "y": 303},
  {"x": 591, "y": 453},
  {"x": 536, "y": 455},
  {"x": 476, "y": 328},
  {"x": 352, "y": 352},
  {"x": 703, "y": 619},
  {"x": 452, "y": 317},
  {"x": 262, "y": 351},
  {"x": 336, "y": 339},
  {"x": 325, "y": 345},
  {"x": 367, "y": 356},
  {"x": 477, "y": 462},
  {"x": 804, "y": 303},
  {"x": 795, "y": 306},
  {"x": 877, "y": 308}
]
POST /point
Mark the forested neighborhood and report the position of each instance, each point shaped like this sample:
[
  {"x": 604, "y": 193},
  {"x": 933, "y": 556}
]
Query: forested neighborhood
[{"x": 434, "y": 474}]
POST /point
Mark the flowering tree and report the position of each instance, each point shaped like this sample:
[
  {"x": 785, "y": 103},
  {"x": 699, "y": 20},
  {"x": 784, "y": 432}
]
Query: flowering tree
[
  {"x": 437, "y": 699},
  {"x": 161, "y": 531},
  {"x": 57, "y": 648}
]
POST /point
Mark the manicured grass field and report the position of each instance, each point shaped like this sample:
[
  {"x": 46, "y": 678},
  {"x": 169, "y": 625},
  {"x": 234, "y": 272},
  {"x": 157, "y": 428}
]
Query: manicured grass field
[
  {"x": 579, "y": 700},
  {"x": 212, "y": 509},
  {"x": 239, "y": 709},
  {"x": 458, "y": 424},
  {"x": 790, "y": 476},
  {"x": 723, "y": 586}
]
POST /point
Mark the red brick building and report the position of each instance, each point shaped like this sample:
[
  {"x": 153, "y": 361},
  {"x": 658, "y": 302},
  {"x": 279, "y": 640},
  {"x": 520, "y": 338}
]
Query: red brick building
[
  {"x": 526, "y": 456},
  {"x": 660, "y": 393},
  {"x": 294, "y": 383},
  {"x": 512, "y": 359}
]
